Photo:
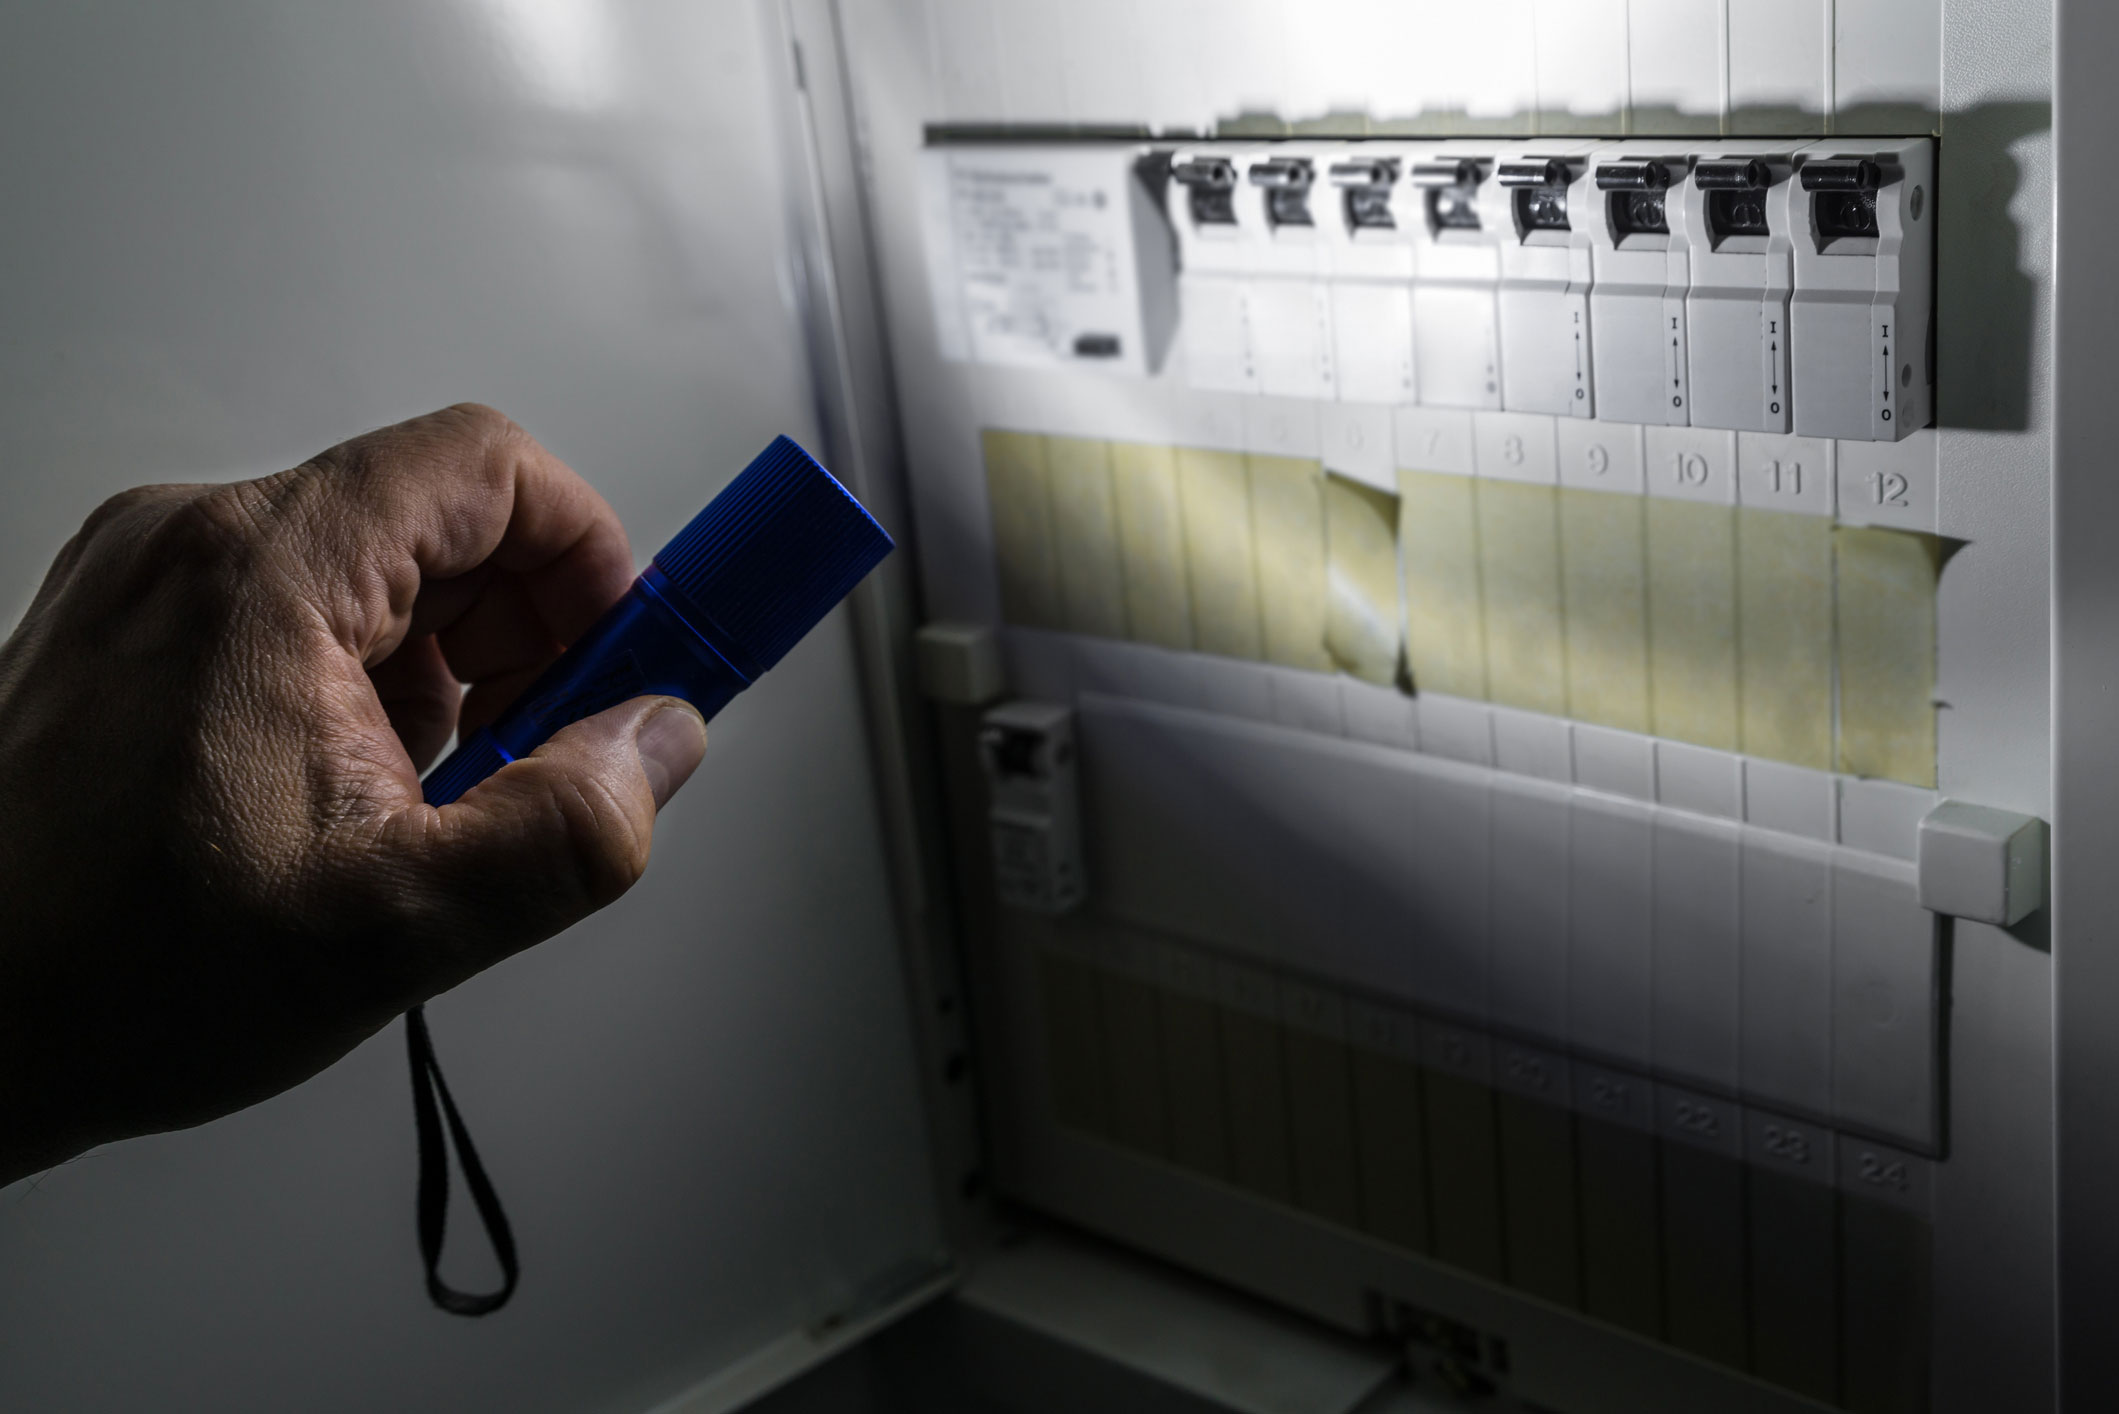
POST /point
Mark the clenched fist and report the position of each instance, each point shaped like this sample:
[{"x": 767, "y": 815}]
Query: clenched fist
[{"x": 216, "y": 872}]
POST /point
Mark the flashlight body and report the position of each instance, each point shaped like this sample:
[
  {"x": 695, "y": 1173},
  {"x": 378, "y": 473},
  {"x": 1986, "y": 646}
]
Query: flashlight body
[
  {"x": 738, "y": 587},
  {"x": 641, "y": 646}
]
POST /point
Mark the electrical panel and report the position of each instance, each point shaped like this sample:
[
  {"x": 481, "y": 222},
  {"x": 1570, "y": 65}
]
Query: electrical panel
[
  {"x": 1528, "y": 691},
  {"x": 1549, "y": 796}
]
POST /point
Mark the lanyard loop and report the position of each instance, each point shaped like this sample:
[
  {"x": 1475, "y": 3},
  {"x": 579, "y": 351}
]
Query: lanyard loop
[{"x": 427, "y": 1085}]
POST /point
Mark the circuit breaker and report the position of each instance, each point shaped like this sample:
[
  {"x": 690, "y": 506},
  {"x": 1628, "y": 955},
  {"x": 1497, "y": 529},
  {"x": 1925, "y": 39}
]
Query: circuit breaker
[
  {"x": 1034, "y": 816},
  {"x": 1203, "y": 197},
  {"x": 1542, "y": 203},
  {"x": 1737, "y": 220},
  {"x": 1372, "y": 218},
  {"x": 1283, "y": 209},
  {"x": 1641, "y": 270},
  {"x": 1456, "y": 277},
  {"x": 1862, "y": 344}
]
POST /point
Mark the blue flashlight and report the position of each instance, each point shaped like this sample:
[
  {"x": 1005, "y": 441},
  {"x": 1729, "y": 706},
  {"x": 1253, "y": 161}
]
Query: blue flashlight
[
  {"x": 724, "y": 601},
  {"x": 719, "y": 605}
]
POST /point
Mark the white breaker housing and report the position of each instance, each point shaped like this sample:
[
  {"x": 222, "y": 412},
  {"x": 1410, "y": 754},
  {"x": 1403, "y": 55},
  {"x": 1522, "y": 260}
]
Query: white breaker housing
[
  {"x": 1281, "y": 200},
  {"x": 1735, "y": 213},
  {"x": 1641, "y": 267},
  {"x": 1540, "y": 202},
  {"x": 1372, "y": 218},
  {"x": 1456, "y": 272},
  {"x": 1212, "y": 249},
  {"x": 1044, "y": 256},
  {"x": 1863, "y": 228}
]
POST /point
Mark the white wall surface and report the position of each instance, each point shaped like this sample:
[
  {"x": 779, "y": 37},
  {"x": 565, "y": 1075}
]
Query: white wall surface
[
  {"x": 1608, "y": 66},
  {"x": 235, "y": 234}
]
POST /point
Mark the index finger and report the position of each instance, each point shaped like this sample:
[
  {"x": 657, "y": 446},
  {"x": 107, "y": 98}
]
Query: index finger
[{"x": 429, "y": 501}]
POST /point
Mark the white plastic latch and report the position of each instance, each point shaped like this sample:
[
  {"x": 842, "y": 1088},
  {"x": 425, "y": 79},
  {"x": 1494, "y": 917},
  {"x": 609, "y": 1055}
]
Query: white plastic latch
[
  {"x": 958, "y": 664},
  {"x": 1980, "y": 863}
]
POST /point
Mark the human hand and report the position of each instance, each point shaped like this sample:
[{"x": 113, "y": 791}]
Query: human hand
[{"x": 216, "y": 872}]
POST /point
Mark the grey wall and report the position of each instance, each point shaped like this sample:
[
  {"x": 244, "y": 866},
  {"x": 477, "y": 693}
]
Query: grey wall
[{"x": 236, "y": 233}]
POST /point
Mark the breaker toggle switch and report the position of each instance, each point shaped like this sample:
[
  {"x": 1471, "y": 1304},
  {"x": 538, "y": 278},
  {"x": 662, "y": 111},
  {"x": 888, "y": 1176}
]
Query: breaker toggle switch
[
  {"x": 1726, "y": 174},
  {"x": 1287, "y": 182},
  {"x": 1864, "y": 261},
  {"x": 1210, "y": 189},
  {"x": 1367, "y": 193},
  {"x": 1636, "y": 201},
  {"x": 1632, "y": 176}
]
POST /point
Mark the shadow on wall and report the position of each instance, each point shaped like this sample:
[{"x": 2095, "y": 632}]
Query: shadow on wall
[
  {"x": 1983, "y": 296},
  {"x": 1983, "y": 378}
]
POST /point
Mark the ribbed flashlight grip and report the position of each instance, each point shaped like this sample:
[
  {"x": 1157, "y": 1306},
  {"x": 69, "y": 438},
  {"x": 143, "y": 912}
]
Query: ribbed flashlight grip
[{"x": 772, "y": 554}]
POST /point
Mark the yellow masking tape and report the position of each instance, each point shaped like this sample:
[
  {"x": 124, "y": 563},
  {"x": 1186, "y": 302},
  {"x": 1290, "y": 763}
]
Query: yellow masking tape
[
  {"x": 1886, "y": 611},
  {"x": 1692, "y": 684},
  {"x": 1519, "y": 579},
  {"x": 1438, "y": 551},
  {"x": 1151, "y": 543},
  {"x": 1022, "y": 528},
  {"x": 1361, "y": 626},
  {"x": 1697, "y": 622},
  {"x": 1085, "y": 536},
  {"x": 1784, "y": 629},
  {"x": 1287, "y": 527},
  {"x": 1219, "y": 563},
  {"x": 1604, "y": 563}
]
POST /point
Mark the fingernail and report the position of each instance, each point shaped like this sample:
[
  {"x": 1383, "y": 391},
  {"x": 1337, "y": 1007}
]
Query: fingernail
[{"x": 670, "y": 745}]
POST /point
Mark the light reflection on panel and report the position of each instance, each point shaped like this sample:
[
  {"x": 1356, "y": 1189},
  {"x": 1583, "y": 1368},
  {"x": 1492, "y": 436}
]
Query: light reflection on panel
[{"x": 1609, "y": 927}]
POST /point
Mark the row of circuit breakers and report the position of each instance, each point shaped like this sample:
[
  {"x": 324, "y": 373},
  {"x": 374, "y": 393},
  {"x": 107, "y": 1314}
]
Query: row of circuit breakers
[{"x": 1738, "y": 285}]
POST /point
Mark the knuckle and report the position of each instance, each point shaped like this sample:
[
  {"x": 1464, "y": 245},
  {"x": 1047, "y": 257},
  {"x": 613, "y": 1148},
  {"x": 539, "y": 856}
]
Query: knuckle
[
  {"x": 408, "y": 446},
  {"x": 121, "y": 509},
  {"x": 478, "y": 422},
  {"x": 212, "y": 526},
  {"x": 212, "y": 540},
  {"x": 159, "y": 545},
  {"x": 378, "y": 468}
]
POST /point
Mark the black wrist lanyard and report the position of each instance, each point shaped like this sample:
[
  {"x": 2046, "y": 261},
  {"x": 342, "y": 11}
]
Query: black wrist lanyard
[{"x": 427, "y": 1087}]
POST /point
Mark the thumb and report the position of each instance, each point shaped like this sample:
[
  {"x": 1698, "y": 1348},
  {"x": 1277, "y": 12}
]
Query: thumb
[{"x": 549, "y": 839}]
